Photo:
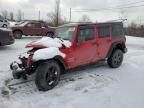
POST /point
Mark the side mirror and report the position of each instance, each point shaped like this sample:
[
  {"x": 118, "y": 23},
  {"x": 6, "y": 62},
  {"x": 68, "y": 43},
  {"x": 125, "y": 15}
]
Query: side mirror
[{"x": 81, "y": 39}]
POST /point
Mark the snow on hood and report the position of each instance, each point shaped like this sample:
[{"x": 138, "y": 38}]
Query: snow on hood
[
  {"x": 52, "y": 50},
  {"x": 50, "y": 42},
  {"x": 47, "y": 53}
]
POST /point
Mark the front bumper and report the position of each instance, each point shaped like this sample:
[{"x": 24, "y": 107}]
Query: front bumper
[
  {"x": 22, "y": 67},
  {"x": 17, "y": 71}
]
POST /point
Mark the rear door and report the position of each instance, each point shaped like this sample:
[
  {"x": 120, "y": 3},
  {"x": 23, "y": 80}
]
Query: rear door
[
  {"x": 86, "y": 47},
  {"x": 104, "y": 40}
]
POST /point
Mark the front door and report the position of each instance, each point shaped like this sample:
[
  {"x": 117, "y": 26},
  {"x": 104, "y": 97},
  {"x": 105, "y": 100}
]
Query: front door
[{"x": 86, "y": 48}]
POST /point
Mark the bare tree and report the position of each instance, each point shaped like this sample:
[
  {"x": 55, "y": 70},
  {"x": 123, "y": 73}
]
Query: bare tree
[
  {"x": 55, "y": 17},
  {"x": 4, "y": 13},
  {"x": 85, "y": 18},
  {"x": 11, "y": 15},
  {"x": 19, "y": 15}
]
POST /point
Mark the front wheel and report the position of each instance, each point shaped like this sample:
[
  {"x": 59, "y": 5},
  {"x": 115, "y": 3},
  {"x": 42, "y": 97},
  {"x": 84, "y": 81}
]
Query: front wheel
[
  {"x": 4, "y": 26},
  {"x": 47, "y": 75},
  {"x": 18, "y": 34},
  {"x": 116, "y": 59}
]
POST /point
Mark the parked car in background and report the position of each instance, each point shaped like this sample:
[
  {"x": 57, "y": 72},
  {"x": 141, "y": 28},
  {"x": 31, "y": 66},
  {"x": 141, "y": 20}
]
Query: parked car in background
[
  {"x": 32, "y": 28},
  {"x": 4, "y": 23},
  {"x": 6, "y": 37}
]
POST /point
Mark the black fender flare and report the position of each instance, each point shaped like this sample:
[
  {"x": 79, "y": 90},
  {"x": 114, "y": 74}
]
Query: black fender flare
[
  {"x": 116, "y": 45},
  {"x": 59, "y": 59},
  {"x": 18, "y": 30}
]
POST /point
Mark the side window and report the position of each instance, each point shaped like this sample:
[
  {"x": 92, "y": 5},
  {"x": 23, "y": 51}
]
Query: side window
[
  {"x": 37, "y": 25},
  {"x": 89, "y": 34},
  {"x": 1, "y": 20},
  {"x": 5, "y": 20},
  {"x": 30, "y": 25},
  {"x": 103, "y": 32},
  {"x": 117, "y": 30},
  {"x": 86, "y": 33}
]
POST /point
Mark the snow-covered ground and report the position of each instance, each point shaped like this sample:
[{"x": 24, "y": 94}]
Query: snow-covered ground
[{"x": 95, "y": 86}]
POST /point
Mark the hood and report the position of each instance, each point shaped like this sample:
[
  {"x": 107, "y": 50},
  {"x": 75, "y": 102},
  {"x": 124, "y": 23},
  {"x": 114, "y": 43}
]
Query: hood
[{"x": 46, "y": 42}]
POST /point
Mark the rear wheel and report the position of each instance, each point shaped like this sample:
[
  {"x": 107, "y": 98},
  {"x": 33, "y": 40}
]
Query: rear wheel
[
  {"x": 18, "y": 34},
  {"x": 116, "y": 59},
  {"x": 47, "y": 75},
  {"x": 4, "y": 26},
  {"x": 50, "y": 34}
]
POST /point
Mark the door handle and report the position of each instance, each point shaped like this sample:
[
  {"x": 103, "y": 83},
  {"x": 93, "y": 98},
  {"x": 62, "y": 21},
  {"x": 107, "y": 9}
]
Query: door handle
[{"x": 94, "y": 43}]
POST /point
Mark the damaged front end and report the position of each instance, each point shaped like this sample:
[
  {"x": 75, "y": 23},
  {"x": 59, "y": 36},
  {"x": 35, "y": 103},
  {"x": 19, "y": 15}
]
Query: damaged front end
[{"x": 24, "y": 66}]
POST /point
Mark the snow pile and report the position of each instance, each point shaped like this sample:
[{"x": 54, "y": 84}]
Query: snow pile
[
  {"x": 47, "y": 53},
  {"x": 5, "y": 29},
  {"x": 50, "y": 42}
]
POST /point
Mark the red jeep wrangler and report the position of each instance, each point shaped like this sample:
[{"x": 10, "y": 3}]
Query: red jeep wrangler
[
  {"x": 75, "y": 45},
  {"x": 32, "y": 28}
]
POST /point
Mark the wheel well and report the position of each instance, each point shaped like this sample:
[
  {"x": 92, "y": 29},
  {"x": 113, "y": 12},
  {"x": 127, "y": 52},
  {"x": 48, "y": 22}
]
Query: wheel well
[
  {"x": 61, "y": 62},
  {"x": 58, "y": 59},
  {"x": 18, "y": 30},
  {"x": 121, "y": 46},
  {"x": 50, "y": 32},
  {"x": 4, "y": 24},
  {"x": 115, "y": 46},
  {"x": 61, "y": 65}
]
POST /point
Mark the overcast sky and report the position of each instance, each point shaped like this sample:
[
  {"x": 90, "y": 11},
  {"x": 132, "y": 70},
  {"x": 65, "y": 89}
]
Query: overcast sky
[{"x": 31, "y": 8}]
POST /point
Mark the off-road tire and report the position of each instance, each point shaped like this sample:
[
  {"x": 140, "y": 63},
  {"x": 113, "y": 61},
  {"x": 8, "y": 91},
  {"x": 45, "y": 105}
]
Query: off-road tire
[
  {"x": 116, "y": 59},
  {"x": 17, "y": 34},
  {"x": 46, "y": 72}
]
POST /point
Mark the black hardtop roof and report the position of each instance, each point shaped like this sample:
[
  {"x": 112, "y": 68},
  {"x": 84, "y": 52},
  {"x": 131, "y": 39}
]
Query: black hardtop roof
[{"x": 89, "y": 23}]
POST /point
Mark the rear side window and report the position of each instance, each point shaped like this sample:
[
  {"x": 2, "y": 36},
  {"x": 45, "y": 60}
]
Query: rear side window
[
  {"x": 117, "y": 30},
  {"x": 103, "y": 31}
]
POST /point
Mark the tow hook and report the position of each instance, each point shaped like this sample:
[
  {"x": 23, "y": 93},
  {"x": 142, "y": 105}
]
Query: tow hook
[{"x": 17, "y": 72}]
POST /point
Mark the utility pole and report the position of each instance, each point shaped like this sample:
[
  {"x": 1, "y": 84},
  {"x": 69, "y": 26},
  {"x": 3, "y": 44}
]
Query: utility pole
[
  {"x": 39, "y": 16},
  {"x": 70, "y": 16}
]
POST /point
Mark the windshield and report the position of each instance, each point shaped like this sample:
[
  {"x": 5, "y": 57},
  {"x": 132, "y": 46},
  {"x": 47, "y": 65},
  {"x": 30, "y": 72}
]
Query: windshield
[
  {"x": 65, "y": 33},
  {"x": 18, "y": 23}
]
